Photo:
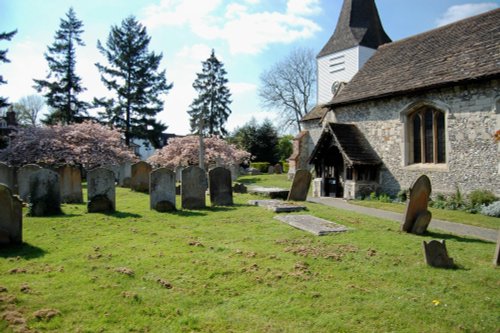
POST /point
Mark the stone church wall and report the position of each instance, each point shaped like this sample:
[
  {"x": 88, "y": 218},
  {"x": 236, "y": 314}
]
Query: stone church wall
[{"x": 472, "y": 115}]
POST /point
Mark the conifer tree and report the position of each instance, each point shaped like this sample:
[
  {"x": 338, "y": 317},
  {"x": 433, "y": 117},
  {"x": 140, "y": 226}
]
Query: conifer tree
[
  {"x": 210, "y": 110},
  {"x": 62, "y": 84},
  {"x": 132, "y": 74},
  {"x": 3, "y": 58}
]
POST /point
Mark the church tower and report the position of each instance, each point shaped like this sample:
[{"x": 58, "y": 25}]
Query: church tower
[{"x": 357, "y": 36}]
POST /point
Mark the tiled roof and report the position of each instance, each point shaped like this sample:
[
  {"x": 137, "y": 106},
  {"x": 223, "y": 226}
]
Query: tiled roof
[
  {"x": 358, "y": 25},
  {"x": 316, "y": 112},
  {"x": 459, "y": 52}
]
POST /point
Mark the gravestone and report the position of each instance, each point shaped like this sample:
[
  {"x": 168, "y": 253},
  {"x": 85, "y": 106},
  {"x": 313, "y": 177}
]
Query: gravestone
[
  {"x": 312, "y": 224},
  {"x": 44, "y": 193},
  {"x": 162, "y": 190},
  {"x": 300, "y": 186},
  {"x": 125, "y": 174},
  {"x": 417, "y": 217},
  {"x": 239, "y": 188},
  {"x": 496, "y": 259},
  {"x": 116, "y": 170},
  {"x": 7, "y": 176},
  {"x": 193, "y": 188},
  {"x": 278, "y": 169},
  {"x": 221, "y": 192},
  {"x": 11, "y": 217},
  {"x": 71, "y": 184},
  {"x": 101, "y": 191},
  {"x": 23, "y": 180},
  {"x": 436, "y": 254},
  {"x": 140, "y": 176},
  {"x": 270, "y": 170},
  {"x": 277, "y": 206},
  {"x": 235, "y": 171},
  {"x": 178, "y": 173}
]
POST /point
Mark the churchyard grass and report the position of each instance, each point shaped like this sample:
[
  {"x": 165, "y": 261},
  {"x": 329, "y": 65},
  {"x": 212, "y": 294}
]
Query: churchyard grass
[
  {"x": 477, "y": 220},
  {"x": 236, "y": 269},
  {"x": 266, "y": 180}
]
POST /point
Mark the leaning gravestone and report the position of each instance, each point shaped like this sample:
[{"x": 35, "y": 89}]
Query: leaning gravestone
[
  {"x": 71, "y": 184},
  {"x": 44, "y": 193},
  {"x": 300, "y": 186},
  {"x": 11, "y": 217},
  {"x": 162, "y": 190},
  {"x": 436, "y": 254},
  {"x": 221, "y": 192},
  {"x": 7, "y": 176},
  {"x": 23, "y": 180},
  {"x": 101, "y": 191},
  {"x": 140, "y": 176},
  {"x": 417, "y": 217},
  {"x": 125, "y": 174},
  {"x": 193, "y": 188}
]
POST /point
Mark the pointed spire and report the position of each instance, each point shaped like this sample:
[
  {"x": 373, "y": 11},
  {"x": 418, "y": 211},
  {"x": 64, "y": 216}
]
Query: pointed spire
[{"x": 358, "y": 25}]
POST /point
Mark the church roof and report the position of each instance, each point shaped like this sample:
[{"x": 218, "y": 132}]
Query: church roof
[
  {"x": 317, "y": 112},
  {"x": 350, "y": 141},
  {"x": 358, "y": 25},
  {"x": 460, "y": 52}
]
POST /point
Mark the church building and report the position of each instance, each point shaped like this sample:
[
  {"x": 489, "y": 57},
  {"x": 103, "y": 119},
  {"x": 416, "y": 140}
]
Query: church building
[{"x": 389, "y": 112}]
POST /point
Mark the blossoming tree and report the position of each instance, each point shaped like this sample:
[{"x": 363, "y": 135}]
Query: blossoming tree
[
  {"x": 184, "y": 151},
  {"x": 87, "y": 144}
]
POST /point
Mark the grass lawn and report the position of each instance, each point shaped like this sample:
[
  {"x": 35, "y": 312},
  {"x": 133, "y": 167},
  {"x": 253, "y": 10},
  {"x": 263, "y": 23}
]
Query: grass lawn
[{"x": 237, "y": 269}]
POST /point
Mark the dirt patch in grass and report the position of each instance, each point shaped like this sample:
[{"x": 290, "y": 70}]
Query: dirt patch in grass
[
  {"x": 164, "y": 283},
  {"x": 46, "y": 314},
  {"x": 125, "y": 270}
]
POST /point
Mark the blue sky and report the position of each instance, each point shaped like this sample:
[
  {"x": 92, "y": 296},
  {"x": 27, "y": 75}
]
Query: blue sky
[{"x": 249, "y": 36}]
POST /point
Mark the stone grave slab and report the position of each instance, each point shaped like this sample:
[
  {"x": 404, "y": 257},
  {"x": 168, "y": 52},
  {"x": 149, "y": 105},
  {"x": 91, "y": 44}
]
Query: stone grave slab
[
  {"x": 312, "y": 224},
  {"x": 277, "y": 206},
  {"x": 101, "y": 191},
  {"x": 193, "y": 188},
  {"x": 300, "y": 186},
  {"x": 23, "y": 180},
  {"x": 162, "y": 190},
  {"x": 11, "y": 217},
  {"x": 436, "y": 254},
  {"x": 417, "y": 217},
  {"x": 44, "y": 193},
  {"x": 7, "y": 176},
  {"x": 71, "y": 184},
  {"x": 221, "y": 192},
  {"x": 140, "y": 176},
  {"x": 270, "y": 192}
]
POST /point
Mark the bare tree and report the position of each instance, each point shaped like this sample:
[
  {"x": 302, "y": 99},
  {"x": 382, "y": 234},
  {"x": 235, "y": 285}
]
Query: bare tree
[
  {"x": 289, "y": 87},
  {"x": 28, "y": 108}
]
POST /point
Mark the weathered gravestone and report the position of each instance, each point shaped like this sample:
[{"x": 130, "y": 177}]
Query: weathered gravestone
[
  {"x": 140, "y": 176},
  {"x": 278, "y": 169},
  {"x": 270, "y": 170},
  {"x": 44, "y": 193},
  {"x": 71, "y": 184},
  {"x": 436, "y": 254},
  {"x": 178, "y": 173},
  {"x": 193, "y": 188},
  {"x": 7, "y": 176},
  {"x": 11, "y": 217},
  {"x": 300, "y": 185},
  {"x": 101, "y": 191},
  {"x": 162, "y": 190},
  {"x": 239, "y": 188},
  {"x": 417, "y": 217},
  {"x": 496, "y": 259},
  {"x": 235, "y": 171},
  {"x": 125, "y": 174},
  {"x": 23, "y": 180},
  {"x": 221, "y": 192}
]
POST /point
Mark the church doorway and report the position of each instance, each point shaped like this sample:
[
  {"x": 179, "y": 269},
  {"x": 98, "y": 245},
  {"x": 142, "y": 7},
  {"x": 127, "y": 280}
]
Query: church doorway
[{"x": 333, "y": 171}]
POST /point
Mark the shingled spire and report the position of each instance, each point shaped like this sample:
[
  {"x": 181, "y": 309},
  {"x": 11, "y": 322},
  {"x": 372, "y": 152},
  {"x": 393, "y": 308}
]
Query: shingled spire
[{"x": 358, "y": 25}]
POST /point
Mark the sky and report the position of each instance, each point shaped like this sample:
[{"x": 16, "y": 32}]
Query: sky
[{"x": 248, "y": 36}]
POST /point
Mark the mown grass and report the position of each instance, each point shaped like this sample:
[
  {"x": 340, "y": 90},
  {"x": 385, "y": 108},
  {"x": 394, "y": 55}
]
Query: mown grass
[
  {"x": 237, "y": 269},
  {"x": 477, "y": 220}
]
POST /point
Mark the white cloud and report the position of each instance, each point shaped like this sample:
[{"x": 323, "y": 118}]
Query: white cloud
[
  {"x": 459, "y": 12},
  {"x": 239, "y": 88},
  {"x": 303, "y": 7}
]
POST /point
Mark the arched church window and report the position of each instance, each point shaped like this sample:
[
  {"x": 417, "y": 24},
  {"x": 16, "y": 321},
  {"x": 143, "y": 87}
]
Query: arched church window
[
  {"x": 3, "y": 123},
  {"x": 427, "y": 136}
]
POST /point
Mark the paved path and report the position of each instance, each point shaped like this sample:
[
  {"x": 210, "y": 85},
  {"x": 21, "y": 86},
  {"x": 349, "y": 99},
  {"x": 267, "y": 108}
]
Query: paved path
[{"x": 449, "y": 227}]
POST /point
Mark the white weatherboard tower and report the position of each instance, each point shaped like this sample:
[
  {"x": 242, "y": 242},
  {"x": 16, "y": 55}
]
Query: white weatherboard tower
[{"x": 357, "y": 36}]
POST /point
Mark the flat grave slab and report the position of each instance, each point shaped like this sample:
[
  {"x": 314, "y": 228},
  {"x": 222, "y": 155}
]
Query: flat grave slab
[
  {"x": 277, "y": 206},
  {"x": 312, "y": 224},
  {"x": 270, "y": 192}
]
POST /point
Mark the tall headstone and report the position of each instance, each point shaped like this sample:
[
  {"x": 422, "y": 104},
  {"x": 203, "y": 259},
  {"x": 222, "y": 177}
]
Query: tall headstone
[
  {"x": 125, "y": 174},
  {"x": 193, "y": 188},
  {"x": 178, "y": 173},
  {"x": 101, "y": 191},
  {"x": 278, "y": 169},
  {"x": 235, "y": 171},
  {"x": 23, "y": 180},
  {"x": 300, "y": 186},
  {"x": 270, "y": 169},
  {"x": 417, "y": 217},
  {"x": 44, "y": 193},
  {"x": 7, "y": 176},
  {"x": 221, "y": 192},
  {"x": 436, "y": 254},
  {"x": 11, "y": 217},
  {"x": 162, "y": 190},
  {"x": 71, "y": 184},
  {"x": 140, "y": 176}
]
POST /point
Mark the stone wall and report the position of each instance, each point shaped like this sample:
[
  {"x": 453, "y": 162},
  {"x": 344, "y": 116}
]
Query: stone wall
[{"x": 471, "y": 117}]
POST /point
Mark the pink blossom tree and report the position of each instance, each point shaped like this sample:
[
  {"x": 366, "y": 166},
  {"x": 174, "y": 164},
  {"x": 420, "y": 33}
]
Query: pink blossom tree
[
  {"x": 87, "y": 144},
  {"x": 184, "y": 151}
]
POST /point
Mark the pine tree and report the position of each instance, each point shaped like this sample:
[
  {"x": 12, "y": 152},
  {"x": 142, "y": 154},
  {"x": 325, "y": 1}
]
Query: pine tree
[
  {"x": 210, "y": 110},
  {"x": 62, "y": 85},
  {"x": 133, "y": 75},
  {"x": 3, "y": 58}
]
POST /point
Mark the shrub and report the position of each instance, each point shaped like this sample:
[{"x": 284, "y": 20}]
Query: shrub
[
  {"x": 402, "y": 195},
  {"x": 261, "y": 166},
  {"x": 492, "y": 209},
  {"x": 286, "y": 167},
  {"x": 481, "y": 197},
  {"x": 439, "y": 202}
]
